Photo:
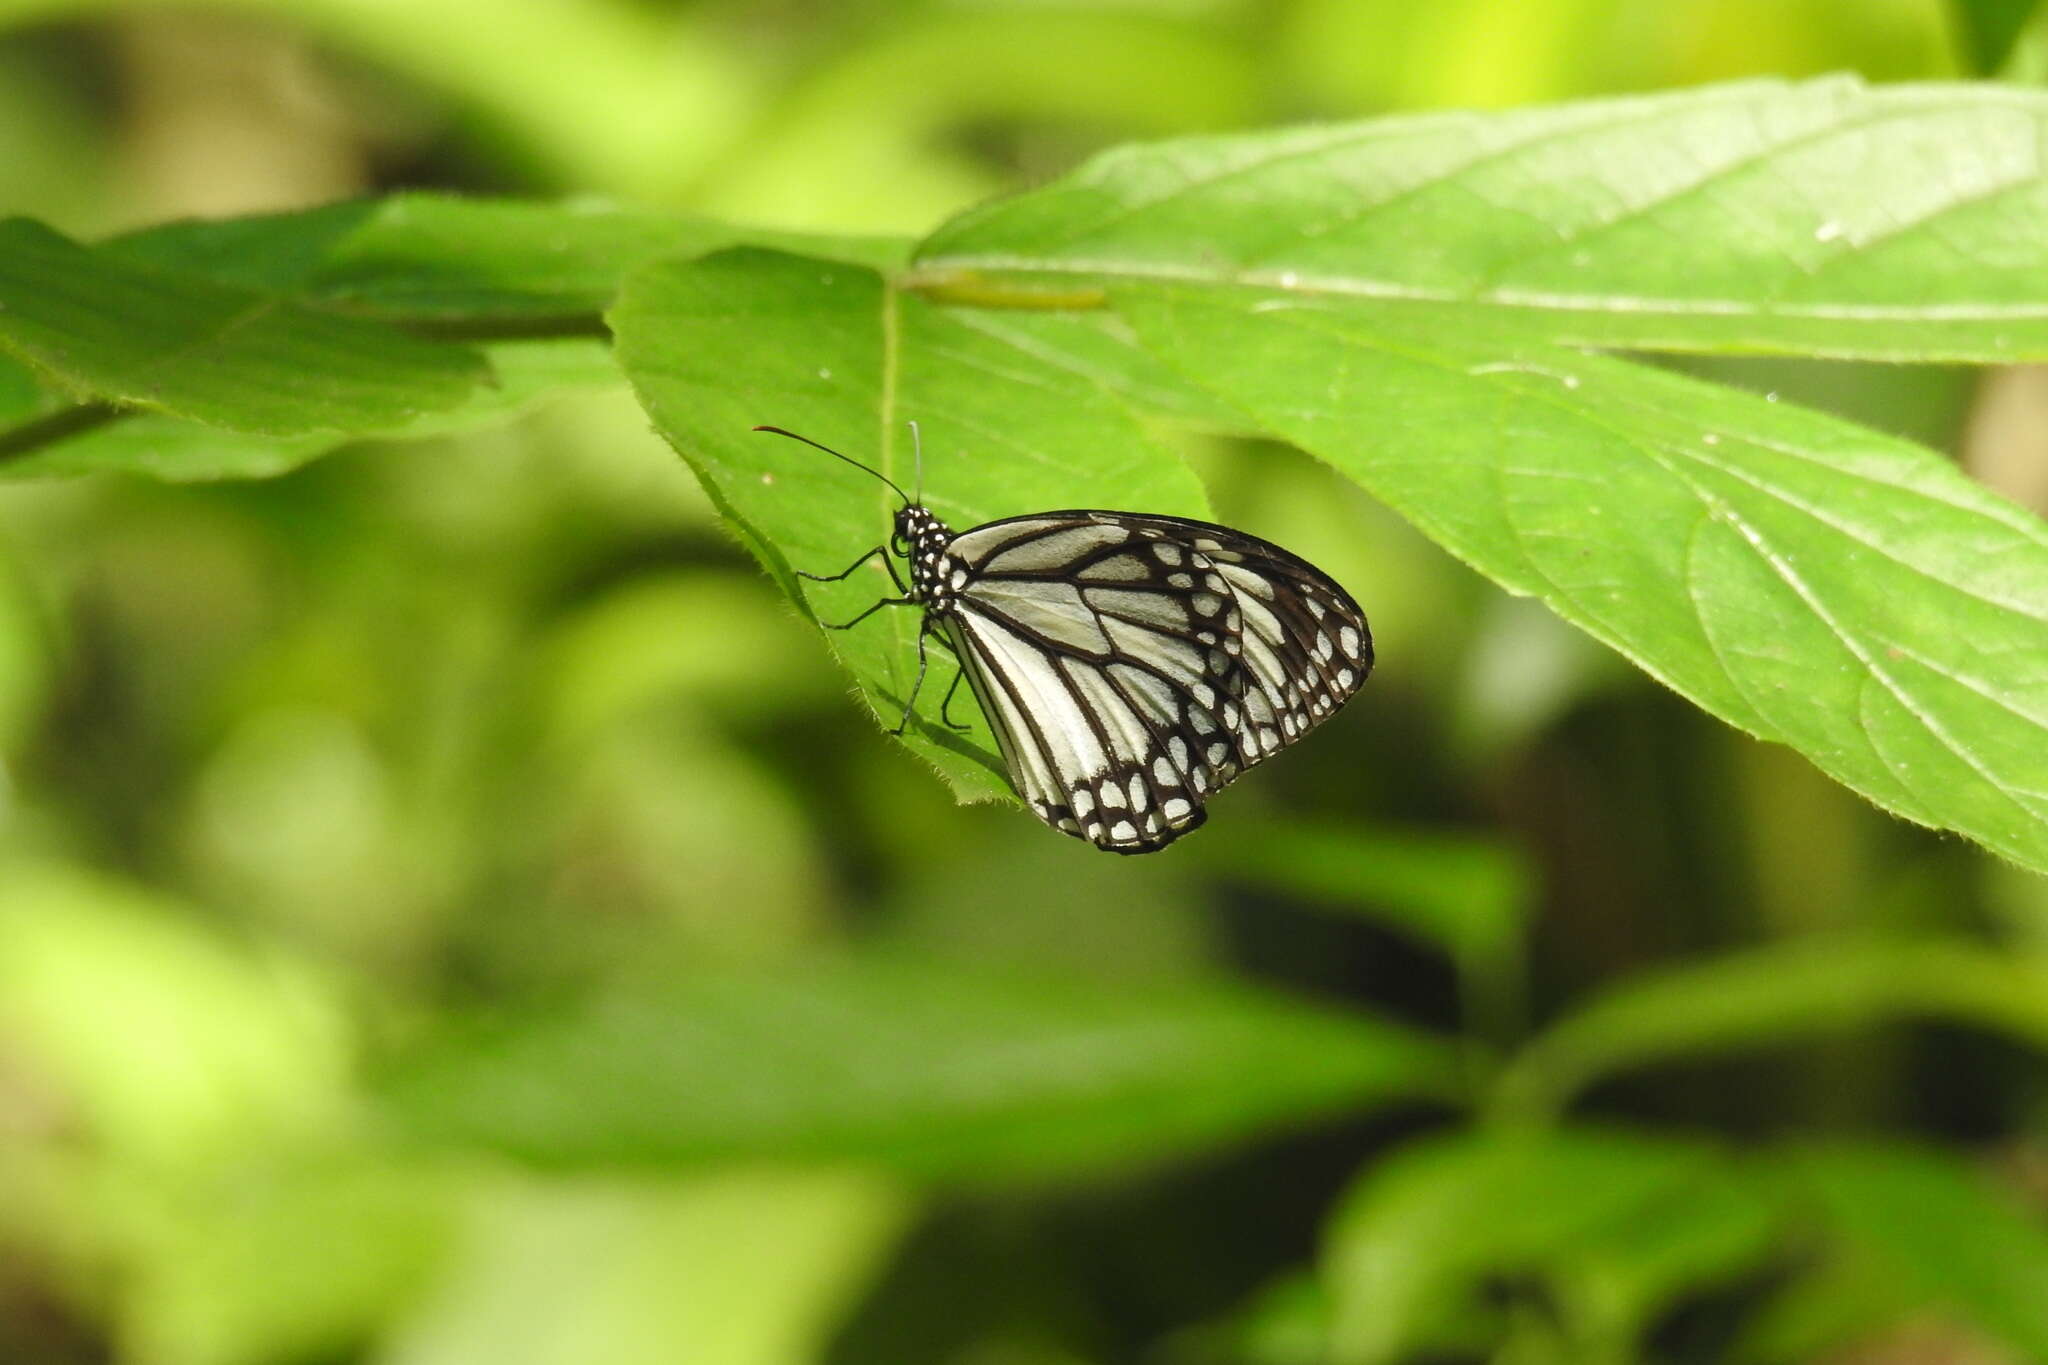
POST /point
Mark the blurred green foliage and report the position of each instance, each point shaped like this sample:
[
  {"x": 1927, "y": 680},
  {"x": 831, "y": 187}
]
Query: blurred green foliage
[{"x": 451, "y": 911}]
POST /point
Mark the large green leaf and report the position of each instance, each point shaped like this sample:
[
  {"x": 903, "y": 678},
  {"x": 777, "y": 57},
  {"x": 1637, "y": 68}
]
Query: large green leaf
[
  {"x": 1010, "y": 425},
  {"x": 1812, "y": 582},
  {"x": 925, "y": 1068},
  {"x": 480, "y": 261},
  {"x": 533, "y": 275},
  {"x": 107, "y": 330},
  {"x": 1772, "y": 996},
  {"x": 1820, "y": 218},
  {"x": 163, "y": 447}
]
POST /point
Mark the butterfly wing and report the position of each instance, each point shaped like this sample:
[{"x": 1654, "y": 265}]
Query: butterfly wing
[{"x": 1133, "y": 665}]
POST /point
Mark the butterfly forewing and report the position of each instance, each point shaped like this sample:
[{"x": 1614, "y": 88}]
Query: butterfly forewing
[{"x": 1132, "y": 665}]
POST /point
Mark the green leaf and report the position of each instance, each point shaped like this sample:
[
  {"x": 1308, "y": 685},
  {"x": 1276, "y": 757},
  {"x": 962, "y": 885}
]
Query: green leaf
[
  {"x": 1772, "y": 996},
  {"x": 741, "y": 1268},
  {"x": 1940, "y": 1232},
  {"x": 930, "y": 1069},
  {"x": 1010, "y": 425},
  {"x": 113, "y": 331},
  {"x": 1616, "y": 1283},
  {"x": 1460, "y": 894},
  {"x": 164, "y": 447},
  {"x": 1411, "y": 1244},
  {"x": 425, "y": 256},
  {"x": 1819, "y": 218},
  {"x": 471, "y": 268},
  {"x": 1810, "y": 582},
  {"x": 1832, "y": 1304}
]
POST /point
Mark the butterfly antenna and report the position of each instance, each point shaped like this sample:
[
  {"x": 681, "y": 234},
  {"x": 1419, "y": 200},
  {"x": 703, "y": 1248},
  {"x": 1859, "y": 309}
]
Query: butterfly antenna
[
  {"x": 837, "y": 456},
  {"x": 917, "y": 445}
]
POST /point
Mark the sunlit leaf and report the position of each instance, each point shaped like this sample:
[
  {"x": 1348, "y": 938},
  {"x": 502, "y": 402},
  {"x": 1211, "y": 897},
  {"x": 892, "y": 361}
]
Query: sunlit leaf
[
  {"x": 1811, "y": 582},
  {"x": 929, "y": 1068},
  {"x": 1822, "y": 218}
]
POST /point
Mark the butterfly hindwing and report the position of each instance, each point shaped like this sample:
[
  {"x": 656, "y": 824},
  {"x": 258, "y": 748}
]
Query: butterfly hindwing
[{"x": 1133, "y": 665}]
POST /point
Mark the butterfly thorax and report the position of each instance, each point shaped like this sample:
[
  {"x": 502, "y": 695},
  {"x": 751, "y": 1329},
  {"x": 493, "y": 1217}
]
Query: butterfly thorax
[{"x": 936, "y": 577}]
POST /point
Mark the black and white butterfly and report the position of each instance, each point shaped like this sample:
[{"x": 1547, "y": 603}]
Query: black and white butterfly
[{"x": 1130, "y": 665}]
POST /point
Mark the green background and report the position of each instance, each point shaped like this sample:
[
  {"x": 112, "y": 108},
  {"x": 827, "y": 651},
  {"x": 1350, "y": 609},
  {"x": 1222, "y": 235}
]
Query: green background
[{"x": 454, "y": 907}]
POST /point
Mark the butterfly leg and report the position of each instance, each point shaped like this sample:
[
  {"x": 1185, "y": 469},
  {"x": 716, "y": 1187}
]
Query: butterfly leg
[
  {"x": 916, "y": 684},
  {"x": 885, "y": 602},
  {"x": 888, "y": 562},
  {"x": 946, "y": 706}
]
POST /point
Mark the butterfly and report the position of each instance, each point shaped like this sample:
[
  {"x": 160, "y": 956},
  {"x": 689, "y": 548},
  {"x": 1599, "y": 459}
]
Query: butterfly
[{"x": 1130, "y": 665}]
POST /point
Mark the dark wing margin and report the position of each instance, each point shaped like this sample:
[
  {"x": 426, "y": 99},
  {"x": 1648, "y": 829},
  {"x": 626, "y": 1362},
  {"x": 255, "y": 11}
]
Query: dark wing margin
[{"x": 1133, "y": 665}]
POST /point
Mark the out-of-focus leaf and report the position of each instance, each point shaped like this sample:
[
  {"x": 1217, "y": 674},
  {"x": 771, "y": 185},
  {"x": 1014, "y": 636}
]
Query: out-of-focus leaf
[
  {"x": 1823, "y": 218},
  {"x": 281, "y": 1262},
  {"x": 1828, "y": 1308},
  {"x": 1461, "y": 894},
  {"x": 426, "y": 256},
  {"x": 1617, "y": 1282},
  {"x": 1811, "y": 582},
  {"x": 929, "y": 1068},
  {"x": 1940, "y": 1232},
  {"x": 161, "y": 1042},
  {"x": 1285, "y": 1323},
  {"x": 164, "y": 447},
  {"x": 1771, "y": 996},
  {"x": 713, "y": 637},
  {"x": 684, "y": 841},
  {"x": 1415, "y": 1238},
  {"x": 750, "y": 1268},
  {"x": 719, "y": 345},
  {"x": 688, "y": 82},
  {"x": 105, "y": 329},
  {"x": 872, "y": 136},
  {"x": 1990, "y": 28},
  {"x": 26, "y": 657}
]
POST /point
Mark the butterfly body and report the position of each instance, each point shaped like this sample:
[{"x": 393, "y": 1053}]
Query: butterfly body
[{"x": 1130, "y": 665}]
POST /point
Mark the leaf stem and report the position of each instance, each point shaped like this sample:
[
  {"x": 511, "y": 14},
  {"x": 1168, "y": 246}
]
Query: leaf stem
[{"x": 29, "y": 437}]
